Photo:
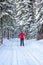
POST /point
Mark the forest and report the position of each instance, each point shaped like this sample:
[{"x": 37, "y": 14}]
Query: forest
[{"x": 17, "y": 15}]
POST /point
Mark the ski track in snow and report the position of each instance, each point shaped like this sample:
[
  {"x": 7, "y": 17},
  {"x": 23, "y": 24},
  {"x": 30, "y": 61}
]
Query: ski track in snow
[{"x": 13, "y": 54}]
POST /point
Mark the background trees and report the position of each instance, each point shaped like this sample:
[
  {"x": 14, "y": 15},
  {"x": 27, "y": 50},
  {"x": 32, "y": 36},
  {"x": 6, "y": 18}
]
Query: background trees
[{"x": 26, "y": 15}]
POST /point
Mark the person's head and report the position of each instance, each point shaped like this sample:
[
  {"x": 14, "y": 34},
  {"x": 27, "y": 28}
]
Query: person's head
[{"x": 21, "y": 30}]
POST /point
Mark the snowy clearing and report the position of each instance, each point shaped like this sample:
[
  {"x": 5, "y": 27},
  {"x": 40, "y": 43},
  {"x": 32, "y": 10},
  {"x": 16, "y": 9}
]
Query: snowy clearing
[{"x": 13, "y": 54}]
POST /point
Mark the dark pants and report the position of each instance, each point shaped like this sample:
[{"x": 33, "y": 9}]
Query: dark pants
[{"x": 21, "y": 42}]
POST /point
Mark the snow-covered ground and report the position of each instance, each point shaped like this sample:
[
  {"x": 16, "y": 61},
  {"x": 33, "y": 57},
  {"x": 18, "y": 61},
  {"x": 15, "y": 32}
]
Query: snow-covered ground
[{"x": 13, "y": 54}]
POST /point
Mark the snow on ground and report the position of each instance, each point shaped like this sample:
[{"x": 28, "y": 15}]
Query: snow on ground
[{"x": 13, "y": 54}]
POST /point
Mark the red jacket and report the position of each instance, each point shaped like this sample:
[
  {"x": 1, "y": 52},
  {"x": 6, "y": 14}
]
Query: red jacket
[{"x": 21, "y": 35}]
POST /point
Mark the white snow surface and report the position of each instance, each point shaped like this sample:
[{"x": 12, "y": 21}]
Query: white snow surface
[{"x": 11, "y": 53}]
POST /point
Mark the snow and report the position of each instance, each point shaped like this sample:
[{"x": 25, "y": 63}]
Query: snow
[
  {"x": 19, "y": 12},
  {"x": 13, "y": 54},
  {"x": 4, "y": 2},
  {"x": 3, "y": 13},
  {"x": 38, "y": 15},
  {"x": 21, "y": 22},
  {"x": 10, "y": 11}
]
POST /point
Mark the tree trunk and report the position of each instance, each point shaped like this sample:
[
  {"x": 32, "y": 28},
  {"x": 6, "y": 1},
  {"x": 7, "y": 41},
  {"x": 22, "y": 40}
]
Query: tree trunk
[
  {"x": 40, "y": 33},
  {"x": 8, "y": 34},
  {"x": 1, "y": 31}
]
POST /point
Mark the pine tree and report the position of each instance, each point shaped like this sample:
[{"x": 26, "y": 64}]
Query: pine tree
[
  {"x": 4, "y": 10},
  {"x": 39, "y": 18}
]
